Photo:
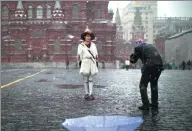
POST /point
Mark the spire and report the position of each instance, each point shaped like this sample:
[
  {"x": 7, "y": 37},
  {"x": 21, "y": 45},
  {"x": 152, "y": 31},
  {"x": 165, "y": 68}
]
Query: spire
[
  {"x": 57, "y": 11},
  {"x": 19, "y": 12},
  {"x": 19, "y": 5},
  {"x": 117, "y": 17},
  {"x": 137, "y": 18},
  {"x": 138, "y": 30},
  {"x": 57, "y": 5}
]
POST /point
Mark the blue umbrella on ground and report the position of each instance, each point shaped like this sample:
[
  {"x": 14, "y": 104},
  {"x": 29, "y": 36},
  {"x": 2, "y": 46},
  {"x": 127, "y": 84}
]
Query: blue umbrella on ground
[{"x": 103, "y": 123}]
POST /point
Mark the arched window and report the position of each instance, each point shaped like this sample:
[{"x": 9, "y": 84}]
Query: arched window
[
  {"x": 30, "y": 11},
  {"x": 99, "y": 13},
  {"x": 48, "y": 11},
  {"x": 39, "y": 12},
  {"x": 4, "y": 12},
  {"x": 75, "y": 11}
]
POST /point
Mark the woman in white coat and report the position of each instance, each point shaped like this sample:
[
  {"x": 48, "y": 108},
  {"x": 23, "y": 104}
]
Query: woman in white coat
[{"x": 88, "y": 57}]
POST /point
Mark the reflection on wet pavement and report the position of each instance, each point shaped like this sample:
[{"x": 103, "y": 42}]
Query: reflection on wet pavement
[{"x": 30, "y": 105}]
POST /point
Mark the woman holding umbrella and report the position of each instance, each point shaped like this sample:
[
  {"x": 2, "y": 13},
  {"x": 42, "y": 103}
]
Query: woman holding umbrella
[{"x": 88, "y": 56}]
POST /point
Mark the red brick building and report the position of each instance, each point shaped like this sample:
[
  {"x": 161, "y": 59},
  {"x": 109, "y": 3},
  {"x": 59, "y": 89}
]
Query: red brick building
[{"x": 50, "y": 30}]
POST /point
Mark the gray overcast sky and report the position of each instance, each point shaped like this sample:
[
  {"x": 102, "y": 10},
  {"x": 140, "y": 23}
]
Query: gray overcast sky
[{"x": 165, "y": 8}]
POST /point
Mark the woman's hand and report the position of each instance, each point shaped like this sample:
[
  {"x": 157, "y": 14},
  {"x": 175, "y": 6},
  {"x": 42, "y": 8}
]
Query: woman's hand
[
  {"x": 97, "y": 58},
  {"x": 78, "y": 58}
]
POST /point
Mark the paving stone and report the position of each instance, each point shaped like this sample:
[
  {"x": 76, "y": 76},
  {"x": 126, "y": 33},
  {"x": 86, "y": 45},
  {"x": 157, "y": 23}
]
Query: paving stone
[{"x": 43, "y": 106}]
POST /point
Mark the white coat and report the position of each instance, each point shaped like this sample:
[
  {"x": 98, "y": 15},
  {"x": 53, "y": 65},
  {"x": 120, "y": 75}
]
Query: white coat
[{"x": 88, "y": 63}]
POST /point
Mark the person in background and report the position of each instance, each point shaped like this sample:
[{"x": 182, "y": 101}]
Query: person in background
[
  {"x": 151, "y": 71},
  {"x": 183, "y": 65},
  {"x": 88, "y": 56},
  {"x": 127, "y": 63},
  {"x": 189, "y": 65},
  {"x": 67, "y": 63}
]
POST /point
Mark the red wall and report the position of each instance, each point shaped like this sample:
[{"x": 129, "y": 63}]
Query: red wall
[{"x": 32, "y": 47}]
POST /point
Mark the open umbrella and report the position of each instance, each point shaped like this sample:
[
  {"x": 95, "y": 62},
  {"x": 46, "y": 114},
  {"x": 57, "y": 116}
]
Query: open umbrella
[{"x": 103, "y": 123}]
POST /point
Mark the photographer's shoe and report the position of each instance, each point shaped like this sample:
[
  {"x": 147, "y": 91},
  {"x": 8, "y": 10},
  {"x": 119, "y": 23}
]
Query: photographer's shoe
[
  {"x": 143, "y": 107},
  {"x": 153, "y": 106}
]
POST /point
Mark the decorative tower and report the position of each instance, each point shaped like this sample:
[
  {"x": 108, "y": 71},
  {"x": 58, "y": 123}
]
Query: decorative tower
[
  {"x": 19, "y": 12},
  {"x": 122, "y": 50},
  {"x": 17, "y": 29},
  {"x": 57, "y": 11},
  {"x": 119, "y": 31},
  {"x": 117, "y": 18},
  {"x": 57, "y": 31},
  {"x": 110, "y": 14},
  {"x": 137, "y": 27},
  {"x": 137, "y": 31}
]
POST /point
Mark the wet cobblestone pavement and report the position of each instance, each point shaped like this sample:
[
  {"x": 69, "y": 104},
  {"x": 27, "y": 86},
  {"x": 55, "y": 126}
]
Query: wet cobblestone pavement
[{"x": 43, "y": 102}]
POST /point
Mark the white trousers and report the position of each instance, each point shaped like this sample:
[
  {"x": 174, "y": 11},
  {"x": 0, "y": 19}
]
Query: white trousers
[{"x": 88, "y": 84}]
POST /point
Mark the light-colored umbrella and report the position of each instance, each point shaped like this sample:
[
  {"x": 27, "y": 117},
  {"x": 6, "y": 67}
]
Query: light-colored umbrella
[{"x": 103, "y": 123}]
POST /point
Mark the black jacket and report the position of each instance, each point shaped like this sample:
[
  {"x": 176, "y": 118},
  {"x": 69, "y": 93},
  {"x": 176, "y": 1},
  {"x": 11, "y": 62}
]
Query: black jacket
[{"x": 148, "y": 55}]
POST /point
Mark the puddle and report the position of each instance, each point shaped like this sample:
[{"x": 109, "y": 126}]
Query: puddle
[
  {"x": 43, "y": 80},
  {"x": 49, "y": 73}
]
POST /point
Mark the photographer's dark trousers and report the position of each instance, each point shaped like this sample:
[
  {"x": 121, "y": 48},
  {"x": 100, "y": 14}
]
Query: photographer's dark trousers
[{"x": 150, "y": 74}]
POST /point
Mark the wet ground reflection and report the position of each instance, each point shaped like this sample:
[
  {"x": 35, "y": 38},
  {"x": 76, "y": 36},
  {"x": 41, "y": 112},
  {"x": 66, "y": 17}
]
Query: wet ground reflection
[{"x": 151, "y": 118}]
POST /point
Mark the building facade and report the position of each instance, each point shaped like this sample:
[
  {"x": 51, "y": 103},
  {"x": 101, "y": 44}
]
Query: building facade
[
  {"x": 138, "y": 30},
  {"x": 151, "y": 22},
  {"x": 148, "y": 11},
  {"x": 178, "y": 48},
  {"x": 156, "y": 29},
  {"x": 50, "y": 31},
  {"x": 167, "y": 27}
]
